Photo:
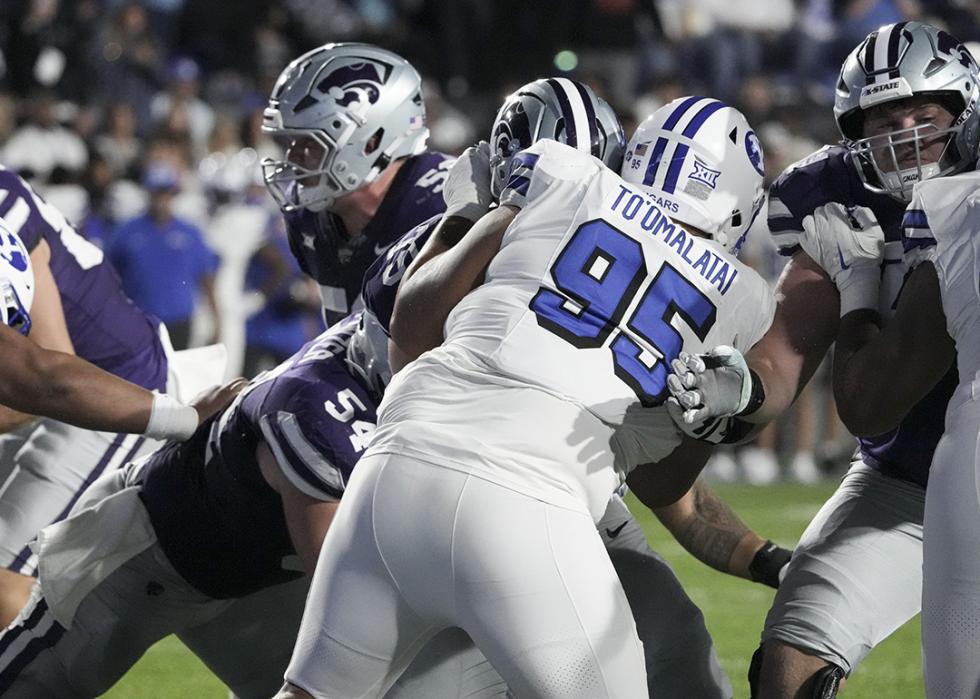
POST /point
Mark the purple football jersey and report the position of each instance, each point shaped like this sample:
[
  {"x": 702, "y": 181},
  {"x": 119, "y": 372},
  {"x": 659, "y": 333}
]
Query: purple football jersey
[
  {"x": 106, "y": 328},
  {"x": 219, "y": 522},
  {"x": 829, "y": 176},
  {"x": 385, "y": 273},
  {"x": 337, "y": 261}
]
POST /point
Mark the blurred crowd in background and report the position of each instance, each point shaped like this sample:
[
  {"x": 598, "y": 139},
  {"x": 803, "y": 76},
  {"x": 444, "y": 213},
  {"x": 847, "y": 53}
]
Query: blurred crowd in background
[{"x": 143, "y": 119}]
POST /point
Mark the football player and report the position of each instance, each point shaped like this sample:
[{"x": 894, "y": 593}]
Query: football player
[
  {"x": 78, "y": 308},
  {"x": 906, "y": 105},
  {"x": 355, "y": 175},
  {"x": 679, "y": 659},
  {"x": 570, "y": 308}
]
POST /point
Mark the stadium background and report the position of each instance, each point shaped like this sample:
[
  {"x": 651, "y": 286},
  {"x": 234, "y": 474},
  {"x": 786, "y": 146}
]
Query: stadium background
[{"x": 92, "y": 91}]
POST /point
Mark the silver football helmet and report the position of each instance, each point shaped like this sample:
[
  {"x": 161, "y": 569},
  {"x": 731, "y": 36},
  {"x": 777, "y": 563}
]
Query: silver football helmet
[
  {"x": 895, "y": 62},
  {"x": 345, "y": 112},
  {"x": 558, "y": 108},
  {"x": 702, "y": 160},
  {"x": 367, "y": 353},
  {"x": 16, "y": 281}
]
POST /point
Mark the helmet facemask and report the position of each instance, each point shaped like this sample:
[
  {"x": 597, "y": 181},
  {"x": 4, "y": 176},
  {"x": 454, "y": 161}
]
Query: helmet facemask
[
  {"x": 884, "y": 157},
  {"x": 15, "y": 314}
]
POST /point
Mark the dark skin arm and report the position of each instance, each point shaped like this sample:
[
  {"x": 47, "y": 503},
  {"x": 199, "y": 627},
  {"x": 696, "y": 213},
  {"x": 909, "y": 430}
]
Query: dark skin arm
[
  {"x": 433, "y": 285},
  {"x": 914, "y": 346},
  {"x": 66, "y": 388}
]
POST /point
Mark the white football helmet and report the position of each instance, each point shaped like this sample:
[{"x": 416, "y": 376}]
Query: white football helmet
[
  {"x": 346, "y": 111},
  {"x": 558, "y": 108},
  {"x": 899, "y": 61},
  {"x": 16, "y": 281},
  {"x": 703, "y": 161}
]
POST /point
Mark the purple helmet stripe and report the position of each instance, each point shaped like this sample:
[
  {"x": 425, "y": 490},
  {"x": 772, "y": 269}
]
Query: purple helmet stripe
[
  {"x": 674, "y": 171},
  {"x": 698, "y": 121},
  {"x": 680, "y": 153},
  {"x": 679, "y": 112},
  {"x": 591, "y": 116},
  {"x": 869, "y": 56},
  {"x": 654, "y": 163},
  {"x": 893, "y": 41},
  {"x": 571, "y": 134}
]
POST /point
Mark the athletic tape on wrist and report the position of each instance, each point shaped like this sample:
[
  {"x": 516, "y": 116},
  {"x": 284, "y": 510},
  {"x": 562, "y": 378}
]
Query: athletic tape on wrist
[{"x": 170, "y": 419}]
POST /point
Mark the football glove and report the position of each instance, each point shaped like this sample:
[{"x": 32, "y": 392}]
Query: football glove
[
  {"x": 467, "y": 189},
  {"x": 708, "y": 386},
  {"x": 848, "y": 243}
]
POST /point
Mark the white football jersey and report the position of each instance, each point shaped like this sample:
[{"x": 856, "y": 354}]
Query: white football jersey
[
  {"x": 942, "y": 226},
  {"x": 594, "y": 289}
]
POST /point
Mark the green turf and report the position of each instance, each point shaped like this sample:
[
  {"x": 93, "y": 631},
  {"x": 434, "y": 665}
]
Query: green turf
[{"x": 734, "y": 610}]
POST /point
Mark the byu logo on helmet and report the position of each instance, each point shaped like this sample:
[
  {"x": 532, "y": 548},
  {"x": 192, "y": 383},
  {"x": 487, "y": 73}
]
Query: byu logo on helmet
[
  {"x": 754, "y": 150},
  {"x": 11, "y": 251},
  {"x": 357, "y": 82}
]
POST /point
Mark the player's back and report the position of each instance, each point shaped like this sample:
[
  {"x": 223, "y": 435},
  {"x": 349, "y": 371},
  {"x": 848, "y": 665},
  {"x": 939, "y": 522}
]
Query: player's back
[
  {"x": 105, "y": 327},
  {"x": 942, "y": 225},
  {"x": 594, "y": 289},
  {"x": 218, "y": 520}
]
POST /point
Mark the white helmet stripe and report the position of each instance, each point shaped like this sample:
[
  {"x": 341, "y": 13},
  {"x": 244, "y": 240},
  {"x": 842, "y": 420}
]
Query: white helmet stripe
[
  {"x": 881, "y": 53},
  {"x": 577, "y": 127}
]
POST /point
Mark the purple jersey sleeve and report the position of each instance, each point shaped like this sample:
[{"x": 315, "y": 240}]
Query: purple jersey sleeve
[
  {"x": 337, "y": 260},
  {"x": 823, "y": 177},
  {"x": 105, "y": 327},
  {"x": 385, "y": 273}
]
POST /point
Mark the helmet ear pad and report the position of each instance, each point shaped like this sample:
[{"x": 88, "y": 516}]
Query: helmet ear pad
[{"x": 362, "y": 102}]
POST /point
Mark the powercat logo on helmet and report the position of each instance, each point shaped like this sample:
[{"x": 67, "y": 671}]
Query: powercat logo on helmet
[{"x": 355, "y": 82}]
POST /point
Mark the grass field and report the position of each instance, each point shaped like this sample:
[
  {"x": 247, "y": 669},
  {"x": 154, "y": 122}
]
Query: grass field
[{"x": 734, "y": 611}]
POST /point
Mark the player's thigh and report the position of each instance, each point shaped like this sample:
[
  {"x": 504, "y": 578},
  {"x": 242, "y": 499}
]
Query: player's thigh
[
  {"x": 450, "y": 665},
  {"x": 358, "y": 632},
  {"x": 10, "y": 444},
  {"x": 134, "y": 607},
  {"x": 54, "y": 468},
  {"x": 951, "y": 564},
  {"x": 248, "y": 645},
  {"x": 856, "y": 574},
  {"x": 680, "y": 657},
  {"x": 535, "y": 590}
]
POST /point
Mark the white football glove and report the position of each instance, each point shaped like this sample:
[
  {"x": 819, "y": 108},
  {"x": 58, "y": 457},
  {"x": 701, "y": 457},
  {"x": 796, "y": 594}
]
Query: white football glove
[
  {"x": 848, "y": 243},
  {"x": 708, "y": 386},
  {"x": 467, "y": 188}
]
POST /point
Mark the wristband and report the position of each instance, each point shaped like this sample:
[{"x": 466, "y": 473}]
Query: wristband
[
  {"x": 757, "y": 396},
  {"x": 860, "y": 290},
  {"x": 170, "y": 419},
  {"x": 767, "y": 564}
]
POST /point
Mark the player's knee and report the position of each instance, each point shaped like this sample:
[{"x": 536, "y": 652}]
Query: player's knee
[{"x": 796, "y": 671}]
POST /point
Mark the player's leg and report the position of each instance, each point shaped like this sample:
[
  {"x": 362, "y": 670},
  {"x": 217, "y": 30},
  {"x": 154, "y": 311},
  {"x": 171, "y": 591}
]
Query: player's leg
[
  {"x": 854, "y": 579},
  {"x": 358, "y": 632},
  {"x": 54, "y": 468},
  {"x": 680, "y": 657},
  {"x": 248, "y": 645},
  {"x": 450, "y": 665},
  {"x": 535, "y": 590},
  {"x": 951, "y": 589},
  {"x": 138, "y": 604}
]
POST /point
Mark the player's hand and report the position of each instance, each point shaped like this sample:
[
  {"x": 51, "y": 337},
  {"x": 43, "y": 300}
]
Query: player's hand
[
  {"x": 848, "y": 243},
  {"x": 467, "y": 189},
  {"x": 211, "y": 400},
  {"x": 717, "y": 384}
]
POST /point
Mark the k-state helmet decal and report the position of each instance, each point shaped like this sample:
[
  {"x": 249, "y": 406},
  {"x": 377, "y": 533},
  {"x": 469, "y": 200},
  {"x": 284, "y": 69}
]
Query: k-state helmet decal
[{"x": 357, "y": 82}]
